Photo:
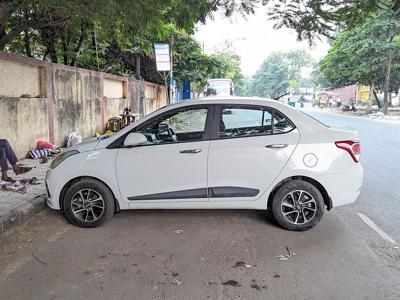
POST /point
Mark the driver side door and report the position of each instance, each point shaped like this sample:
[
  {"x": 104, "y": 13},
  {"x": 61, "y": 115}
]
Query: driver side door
[{"x": 173, "y": 165}]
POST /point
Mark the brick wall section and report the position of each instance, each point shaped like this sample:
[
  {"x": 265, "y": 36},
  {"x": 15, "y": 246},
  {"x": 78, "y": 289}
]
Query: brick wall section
[{"x": 346, "y": 93}]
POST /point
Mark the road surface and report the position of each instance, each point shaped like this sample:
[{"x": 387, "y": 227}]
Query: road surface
[{"x": 227, "y": 254}]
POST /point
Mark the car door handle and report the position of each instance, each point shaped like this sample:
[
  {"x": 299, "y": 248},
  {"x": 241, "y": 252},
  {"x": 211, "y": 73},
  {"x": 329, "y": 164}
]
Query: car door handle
[
  {"x": 276, "y": 146},
  {"x": 190, "y": 151}
]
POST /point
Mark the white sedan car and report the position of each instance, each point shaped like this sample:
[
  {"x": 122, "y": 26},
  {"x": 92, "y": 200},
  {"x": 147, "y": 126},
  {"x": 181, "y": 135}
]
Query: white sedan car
[{"x": 231, "y": 153}]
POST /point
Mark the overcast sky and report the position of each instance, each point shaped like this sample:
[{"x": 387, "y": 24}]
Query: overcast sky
[{"x": 253, "y": 39}]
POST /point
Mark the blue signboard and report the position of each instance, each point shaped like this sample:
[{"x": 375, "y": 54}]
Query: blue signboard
[{"x": 186, "y": 90}]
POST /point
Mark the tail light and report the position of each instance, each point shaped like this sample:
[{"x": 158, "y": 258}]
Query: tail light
[{"x": 352, "y": 147}]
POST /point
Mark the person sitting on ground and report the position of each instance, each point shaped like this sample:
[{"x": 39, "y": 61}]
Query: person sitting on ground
[{"x": 7, "y": 154}]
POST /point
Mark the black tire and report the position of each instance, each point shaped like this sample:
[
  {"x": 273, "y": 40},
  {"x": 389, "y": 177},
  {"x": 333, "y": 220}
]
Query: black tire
[
  {"x": 302, "y": 211},
  {"x": 96, "y": 188}
]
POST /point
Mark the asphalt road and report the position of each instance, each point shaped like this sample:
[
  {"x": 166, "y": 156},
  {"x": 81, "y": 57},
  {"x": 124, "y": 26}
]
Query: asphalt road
[{"x": 221, "y": 254}]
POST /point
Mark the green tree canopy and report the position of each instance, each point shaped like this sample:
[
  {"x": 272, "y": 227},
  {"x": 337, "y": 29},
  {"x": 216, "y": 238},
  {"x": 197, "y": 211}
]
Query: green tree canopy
[
  {"x": 361, "y": 54},
  {"x": 108, "y": 35},
  {"x": 279, "y": 73}
]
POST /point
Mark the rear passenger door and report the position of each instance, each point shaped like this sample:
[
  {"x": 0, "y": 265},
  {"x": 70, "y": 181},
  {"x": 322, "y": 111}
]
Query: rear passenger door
[{"x": 250, "y": 146}]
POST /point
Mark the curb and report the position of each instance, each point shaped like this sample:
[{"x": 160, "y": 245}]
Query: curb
[{"x": 18, "y": 215}]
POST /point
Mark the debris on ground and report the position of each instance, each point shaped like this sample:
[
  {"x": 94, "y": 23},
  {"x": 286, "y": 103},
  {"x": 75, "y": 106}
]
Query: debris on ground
[
  {"x": 176, "y": 281},
  {"x": 290, "y": 254},
  {"x": 241, "y": 264},
  {"x": 38, "y": 259},
  {"x": 20, "y": 186},
  {"x": 276, "y": 275},
  {"x": 255, "y": 286},
  {"x": 233, "y": 283},
  {"x": 174, "y": 274},
  {"x": 179, "y": 231}
]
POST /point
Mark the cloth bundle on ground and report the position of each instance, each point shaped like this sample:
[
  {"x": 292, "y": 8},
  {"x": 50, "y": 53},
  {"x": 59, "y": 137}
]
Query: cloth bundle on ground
[
  {"x": 43, "y": 149},
  {"x": 44, "y": 145},
  {"x": 39, "y": 153},
  {"x": 20, "y": 185}
]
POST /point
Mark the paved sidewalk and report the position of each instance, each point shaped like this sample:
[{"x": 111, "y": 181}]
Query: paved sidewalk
[{"x": 15, "y": 207}]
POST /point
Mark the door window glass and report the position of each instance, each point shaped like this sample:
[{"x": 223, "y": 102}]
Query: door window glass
[
  {"x": 183, "y": 126},
  {"x": 238, "y": 122}
]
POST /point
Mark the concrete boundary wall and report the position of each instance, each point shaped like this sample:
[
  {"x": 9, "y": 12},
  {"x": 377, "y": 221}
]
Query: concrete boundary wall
[{"x": 42, "y": 100}]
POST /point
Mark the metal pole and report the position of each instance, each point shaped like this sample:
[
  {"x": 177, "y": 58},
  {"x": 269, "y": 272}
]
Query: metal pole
[
  {"x": 171, "y": 74},
  {"x": 166, "y": 87}
]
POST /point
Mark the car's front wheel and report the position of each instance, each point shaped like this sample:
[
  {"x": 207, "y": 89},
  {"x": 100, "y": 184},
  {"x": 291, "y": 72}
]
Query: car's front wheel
[
  {"x": 298, "y": 205},
  {"x": 88, "y": 203}
]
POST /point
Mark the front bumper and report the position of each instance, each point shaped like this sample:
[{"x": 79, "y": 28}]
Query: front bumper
[{"x": 55, "y": 180}]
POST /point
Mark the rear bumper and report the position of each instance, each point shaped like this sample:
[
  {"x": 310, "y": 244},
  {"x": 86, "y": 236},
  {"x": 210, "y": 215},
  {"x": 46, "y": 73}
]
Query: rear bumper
[{"x": 343, "y": 188}]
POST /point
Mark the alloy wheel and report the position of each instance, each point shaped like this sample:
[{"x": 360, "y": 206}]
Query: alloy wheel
[
  {"x": 298, "y": 207},
  {"x": 87, "y": 205}
]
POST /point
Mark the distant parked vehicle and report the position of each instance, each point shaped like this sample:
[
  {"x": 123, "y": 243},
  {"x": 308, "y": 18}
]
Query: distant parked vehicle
[
  {"x": 219, "y": 87},
  {"x": 232, "y": 153},
  {"x": 349, "y": 107}
]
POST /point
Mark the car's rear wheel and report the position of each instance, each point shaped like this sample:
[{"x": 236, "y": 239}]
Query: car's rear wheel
[
  {"x": 298, "y": 205},
  {"x": 88, "y": 203}
]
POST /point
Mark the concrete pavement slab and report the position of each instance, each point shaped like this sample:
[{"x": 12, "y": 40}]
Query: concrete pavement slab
[{"x": 14, "y": 206}]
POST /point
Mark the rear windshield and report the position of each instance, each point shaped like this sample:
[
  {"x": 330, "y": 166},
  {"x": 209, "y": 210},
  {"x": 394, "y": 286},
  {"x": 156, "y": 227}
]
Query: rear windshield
[{"x": 315, "y": 119}]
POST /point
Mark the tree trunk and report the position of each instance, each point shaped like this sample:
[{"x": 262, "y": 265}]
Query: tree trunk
[
  {"x": 6, "y": 38},
  {"x": 5, "y": 15},
  {"x": 79, "y": 45},
  {"x": 377, "y": 99},
  {"x": 386, "y": 90},
  {"x": 65, "y": 47},
  {"x": 52, "y": 47},
  {"x": 137, "y": 66},
  {"x": 27, "y": 44},
  {"x": 371, "y": 93}
]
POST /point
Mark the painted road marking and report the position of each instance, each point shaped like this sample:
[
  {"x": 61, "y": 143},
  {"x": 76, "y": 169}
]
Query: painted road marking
[{"x": 376, "y": 228}]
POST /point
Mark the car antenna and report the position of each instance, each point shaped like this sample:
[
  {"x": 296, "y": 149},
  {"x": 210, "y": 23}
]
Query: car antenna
[{"x": 279, "y": 97}]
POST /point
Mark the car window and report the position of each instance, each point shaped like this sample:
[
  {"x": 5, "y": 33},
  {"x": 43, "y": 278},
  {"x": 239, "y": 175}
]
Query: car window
[
  {"x": 182, "y": 126},
  {"x": 238, "y": 122},
  {"x": 281, "y": 124}
]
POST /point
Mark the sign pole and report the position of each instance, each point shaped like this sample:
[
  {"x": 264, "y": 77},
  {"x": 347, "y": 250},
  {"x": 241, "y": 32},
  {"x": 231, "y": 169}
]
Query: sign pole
[
  {"x": 163, "y": 62},
  {"x": 171, "y": 74},
  {"x": 166, "y": 88}
]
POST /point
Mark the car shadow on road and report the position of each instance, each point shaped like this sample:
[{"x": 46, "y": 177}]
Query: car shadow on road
[{"x": 259, "y": 216}]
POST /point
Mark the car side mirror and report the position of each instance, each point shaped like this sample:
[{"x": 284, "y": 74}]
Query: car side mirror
[{"x": 135, "y": 139}]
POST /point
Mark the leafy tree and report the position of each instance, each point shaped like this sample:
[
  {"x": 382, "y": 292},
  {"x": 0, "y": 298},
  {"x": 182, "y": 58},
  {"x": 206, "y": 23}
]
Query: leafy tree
[
  {"x": 279, "y": 73},
  {"x": 228, "y": 66},
  {"x": 115, "y": 36},
  {"x": 190, "y": 63},
  {"x": 366, "y": 54},
  {"x": 313, "y": 18},
  {"x": 272, "y": 78}
]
